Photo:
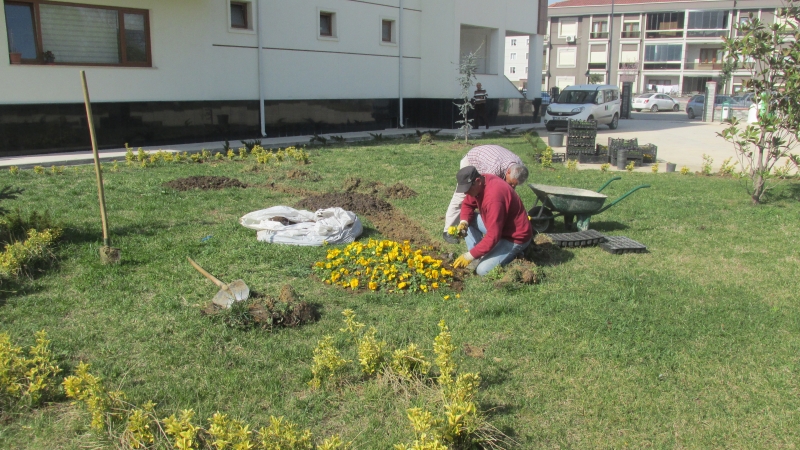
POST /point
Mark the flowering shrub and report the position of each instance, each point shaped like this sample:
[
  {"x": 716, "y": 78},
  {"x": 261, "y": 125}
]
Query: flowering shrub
[
  {"x": 26, "y": 379},
  {"x": 21, "y": 255},
  {"x": 382, "y": 265},
  {"x": 654, "y": 168},
  {"x": 604, "y": 167}
]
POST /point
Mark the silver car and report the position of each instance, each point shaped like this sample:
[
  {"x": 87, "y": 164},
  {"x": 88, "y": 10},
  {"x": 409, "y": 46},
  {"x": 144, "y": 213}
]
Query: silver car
[
  {"x": 655, "y": 103},
  {"x": 695, "y": 106}
]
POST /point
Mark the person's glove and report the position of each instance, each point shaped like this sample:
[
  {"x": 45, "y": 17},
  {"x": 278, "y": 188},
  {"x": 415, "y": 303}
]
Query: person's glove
[
  {"x": 463, "y": 260},
  {"x": 462, "y": 228}
]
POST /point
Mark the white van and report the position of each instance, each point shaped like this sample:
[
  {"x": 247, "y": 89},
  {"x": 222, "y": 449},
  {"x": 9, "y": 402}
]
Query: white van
[{"x": 598, "y": 102}]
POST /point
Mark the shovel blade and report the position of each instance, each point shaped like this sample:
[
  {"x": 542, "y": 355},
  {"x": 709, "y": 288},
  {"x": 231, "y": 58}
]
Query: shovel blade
[
  {"x": 236, "y": 291},
  {"x": 239, "y": 290}
]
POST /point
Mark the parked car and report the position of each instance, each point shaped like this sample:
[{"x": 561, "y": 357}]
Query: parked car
[
  {"x": 655, "y": 103},
  {"x": 695, "y": 106},
  {"x": 598, "y": 102}
]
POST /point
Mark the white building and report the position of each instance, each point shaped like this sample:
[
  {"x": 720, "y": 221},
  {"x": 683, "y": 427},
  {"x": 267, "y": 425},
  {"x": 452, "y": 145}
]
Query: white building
[{"x": 191, "y": 70}]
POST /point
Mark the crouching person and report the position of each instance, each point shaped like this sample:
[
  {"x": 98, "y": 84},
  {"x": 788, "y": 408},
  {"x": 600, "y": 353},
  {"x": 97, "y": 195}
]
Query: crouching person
[{"x": 501, "y": 229}]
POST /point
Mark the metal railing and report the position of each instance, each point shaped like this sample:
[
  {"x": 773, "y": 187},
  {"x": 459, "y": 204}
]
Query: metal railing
[
  {"x": 699, "y": 65},
  {"x": 631, "y": 34},
  {"x": 598, "y": 35}
]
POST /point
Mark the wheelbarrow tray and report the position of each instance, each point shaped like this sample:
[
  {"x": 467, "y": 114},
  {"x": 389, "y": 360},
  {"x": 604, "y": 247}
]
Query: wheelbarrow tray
[{"x": 567, "y": 200}]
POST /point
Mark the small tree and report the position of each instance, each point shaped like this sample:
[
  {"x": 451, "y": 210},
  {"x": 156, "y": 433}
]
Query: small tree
[
  {"x": 466, "y": 69},
  {"x": 595, "y": 78},
  {"x": 771, "y": 53}
]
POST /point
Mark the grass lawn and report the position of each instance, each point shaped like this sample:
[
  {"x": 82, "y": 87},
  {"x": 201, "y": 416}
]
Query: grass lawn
[{"x": 695, "y": 344}]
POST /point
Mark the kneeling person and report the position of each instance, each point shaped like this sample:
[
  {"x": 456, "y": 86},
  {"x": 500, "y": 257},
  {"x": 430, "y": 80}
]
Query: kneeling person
[{"x": 501, "y": 229}]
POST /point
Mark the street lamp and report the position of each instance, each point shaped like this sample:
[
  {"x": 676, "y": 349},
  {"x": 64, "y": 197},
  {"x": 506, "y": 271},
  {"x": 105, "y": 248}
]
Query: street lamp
[{"x": 610, "y": 41}]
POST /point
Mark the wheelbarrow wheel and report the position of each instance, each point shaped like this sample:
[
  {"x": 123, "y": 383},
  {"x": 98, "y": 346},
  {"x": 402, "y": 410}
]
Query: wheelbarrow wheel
[{"x": 546, "y": 223}]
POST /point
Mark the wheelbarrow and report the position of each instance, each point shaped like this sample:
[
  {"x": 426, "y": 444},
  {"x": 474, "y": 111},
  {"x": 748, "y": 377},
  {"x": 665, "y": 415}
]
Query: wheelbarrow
[{"x": 569, "y": 202}]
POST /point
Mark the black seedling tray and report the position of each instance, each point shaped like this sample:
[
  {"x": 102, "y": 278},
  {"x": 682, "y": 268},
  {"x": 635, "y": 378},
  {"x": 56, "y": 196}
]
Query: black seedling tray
[
  {"x": 586, "y": 238},
  {"x": 621, "y": 244}
]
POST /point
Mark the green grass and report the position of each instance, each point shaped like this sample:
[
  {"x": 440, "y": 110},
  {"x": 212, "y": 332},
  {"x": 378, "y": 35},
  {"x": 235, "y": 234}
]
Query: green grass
[{"x": 692, "y": 345}]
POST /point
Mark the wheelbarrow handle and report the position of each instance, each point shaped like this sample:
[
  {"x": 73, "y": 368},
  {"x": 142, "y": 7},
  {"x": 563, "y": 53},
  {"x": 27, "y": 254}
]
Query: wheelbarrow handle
[
  {"x": 207, "y": 275},
  {"x": 608, "y": 182},
  {"x": 623, "y": 196}
]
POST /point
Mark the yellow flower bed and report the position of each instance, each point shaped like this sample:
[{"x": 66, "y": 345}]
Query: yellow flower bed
[{"x": 383, "y": 266}]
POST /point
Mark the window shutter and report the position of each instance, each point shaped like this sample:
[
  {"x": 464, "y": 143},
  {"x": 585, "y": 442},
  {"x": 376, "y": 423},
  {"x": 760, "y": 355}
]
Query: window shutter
[{"x": 80, "y": 35}]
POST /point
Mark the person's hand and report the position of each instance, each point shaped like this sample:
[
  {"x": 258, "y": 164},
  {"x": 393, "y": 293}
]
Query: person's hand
[
  {"x": 463, "y": 260},
  {"x": 462, "y": 228}
]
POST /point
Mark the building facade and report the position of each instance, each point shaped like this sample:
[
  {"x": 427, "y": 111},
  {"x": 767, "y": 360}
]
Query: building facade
[
  {"x": 163, "y": 71},
  {"x": 669, "y": 46}
]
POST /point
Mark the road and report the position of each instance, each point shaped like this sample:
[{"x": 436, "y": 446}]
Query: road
[{"x": 679, "y": 140}]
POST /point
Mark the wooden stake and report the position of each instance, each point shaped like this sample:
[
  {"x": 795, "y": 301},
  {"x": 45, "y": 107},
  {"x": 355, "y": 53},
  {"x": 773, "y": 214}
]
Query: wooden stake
[{"x": 97, "y": 167}]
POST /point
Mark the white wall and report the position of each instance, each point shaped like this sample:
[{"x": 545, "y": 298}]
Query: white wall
[{"x": 197, "y": 57}]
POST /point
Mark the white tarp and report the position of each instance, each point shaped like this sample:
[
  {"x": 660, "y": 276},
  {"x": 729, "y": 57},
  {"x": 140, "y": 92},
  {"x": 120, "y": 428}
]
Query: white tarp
[{"x": 285, "y": 225}]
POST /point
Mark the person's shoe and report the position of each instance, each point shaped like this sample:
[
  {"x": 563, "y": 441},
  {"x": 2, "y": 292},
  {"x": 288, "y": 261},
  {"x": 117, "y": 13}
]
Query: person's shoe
[{"x": 449, "y": 239}]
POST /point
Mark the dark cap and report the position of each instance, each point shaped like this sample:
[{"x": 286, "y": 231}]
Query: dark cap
[{"x": 465, "y": 178}]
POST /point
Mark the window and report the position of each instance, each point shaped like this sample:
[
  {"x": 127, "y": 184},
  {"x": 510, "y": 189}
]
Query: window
[
  {"x": 78, "y": 34},
  {"x": 568, "y": 27},
  {"x": 663, "y": 56},
  {"x": 597, "y": 56},
  {"x": 710, "y": 55},
  {"x": 631, "y": 30},
  {"x": 629, "y": 56},
  {"x": 599, "y": 29},
  {"x": 388, "y": 31},
  {"x": 512, "y": 70},
  {"x": 665, "y": 25},
  {"x": 707, "y": 24},
  {"x": 513, "y": 42},
  {"x": 327, "y": 24},
  {"x": 566, "y": 57},
  {"x": 744, "y": 18},
  {"x": 562, "y": 82},
  {"x": 239, "y": 15},
  {"x": 512, "y": 56}
]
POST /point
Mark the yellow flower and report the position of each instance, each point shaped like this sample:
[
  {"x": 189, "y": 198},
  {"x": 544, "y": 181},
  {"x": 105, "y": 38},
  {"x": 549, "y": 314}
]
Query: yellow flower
[
  {"x": 435, "y": 285},
  {"x": 373, "y": 285},
  {"x": 447, "y": 297},
  {"x": 402, "y": 285},
  {"x": 354, "y": 283}
]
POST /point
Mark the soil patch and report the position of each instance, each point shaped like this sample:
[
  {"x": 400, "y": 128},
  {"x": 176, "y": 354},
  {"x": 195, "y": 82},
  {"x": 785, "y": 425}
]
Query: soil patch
[
  {"x": 355, "y": 184},
  {"x": 400, "y": 191},
  {"x": 299, "y": 174},
  {"x": 204, "y": 183},
  {"x": 358, "y": 203},
  {"x": 265, "y": 312},
  {"x": 390, "y": 223},
  {"x": 520, "y": 272},
  {"x": 473, "y": 351}
]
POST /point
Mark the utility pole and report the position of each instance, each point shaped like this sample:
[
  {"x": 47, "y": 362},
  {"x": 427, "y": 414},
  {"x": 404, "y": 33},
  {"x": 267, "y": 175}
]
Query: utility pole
[{"x": 610, "y": 41}]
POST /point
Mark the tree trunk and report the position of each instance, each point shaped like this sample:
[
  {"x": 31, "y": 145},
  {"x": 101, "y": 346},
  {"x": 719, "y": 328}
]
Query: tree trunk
[{"x": 758, "y": 188}]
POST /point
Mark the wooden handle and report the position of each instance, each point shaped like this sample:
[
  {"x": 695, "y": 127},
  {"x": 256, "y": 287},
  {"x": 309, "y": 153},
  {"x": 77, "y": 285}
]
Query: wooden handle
[
  {"x": 97, "y": 167},
  {"x": 207, "y": 275}
]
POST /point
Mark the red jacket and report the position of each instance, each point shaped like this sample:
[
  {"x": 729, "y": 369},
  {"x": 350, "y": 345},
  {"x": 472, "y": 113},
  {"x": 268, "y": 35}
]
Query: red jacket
[{"x": 502, "y": 212}]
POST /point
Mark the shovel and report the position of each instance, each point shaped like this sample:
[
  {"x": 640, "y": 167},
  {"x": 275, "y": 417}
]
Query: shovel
[{"x": 228, "y": 293}]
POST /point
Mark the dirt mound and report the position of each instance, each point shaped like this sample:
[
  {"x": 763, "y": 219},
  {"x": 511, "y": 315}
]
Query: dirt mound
[
  {"x": 265, "y": 312},
  {"x": 204, "y": 183},
  {"x": 399, "y": 191},
  {"x": 398, "y": 227},
  {"x": 520, "y": 272},
  {"x": 358, "y": 203},
  {"x": 355, "y": 184},
  {"x": 298, "y": 174}
]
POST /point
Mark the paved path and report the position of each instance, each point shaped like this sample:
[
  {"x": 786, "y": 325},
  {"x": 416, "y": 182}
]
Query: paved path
[
  {"x": 679, "y": 140},
  {"x": 85, "y": 157}
]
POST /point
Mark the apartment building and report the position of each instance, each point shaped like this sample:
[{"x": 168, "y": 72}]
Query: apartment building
[
  {"x": 163, "y": 71},
  {"x": 669, "y": 46}
]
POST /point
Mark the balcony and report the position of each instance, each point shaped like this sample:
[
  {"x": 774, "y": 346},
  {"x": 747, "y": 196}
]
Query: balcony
[
  {"x": 707, "y": 33},
  {"x": 698, "y": 65},
  {"x": 662, "y": 65},
  {"x": 631, "y": 34},
  {"x": 663, "y": 34},
  {"x": 599, "y": 35}
]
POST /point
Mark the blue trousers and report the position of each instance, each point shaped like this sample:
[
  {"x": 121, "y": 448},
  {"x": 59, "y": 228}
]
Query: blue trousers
[{"x": 501, "y": 254}]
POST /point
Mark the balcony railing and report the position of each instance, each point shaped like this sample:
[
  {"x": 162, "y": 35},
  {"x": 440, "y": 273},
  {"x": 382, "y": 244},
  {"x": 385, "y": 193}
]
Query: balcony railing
[
  {"x": 598, "y": 35},
  {"x": 697, "y": 65},
  {"x": 674, "y": 65},
  {"x": 706, "y": 33},
  {"x": 631, "y": 34},
  {"x": 661, "y": 34}
]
